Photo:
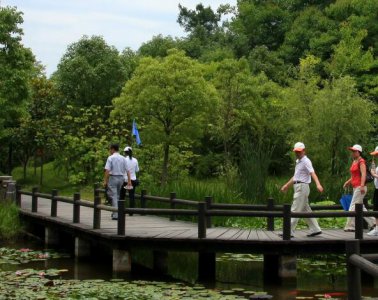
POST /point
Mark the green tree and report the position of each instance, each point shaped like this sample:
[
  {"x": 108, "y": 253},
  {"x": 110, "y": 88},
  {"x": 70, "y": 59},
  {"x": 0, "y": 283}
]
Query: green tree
[
  {"x": 85, "y": 141},
  {"x": 16, "y": 66},
  {"x": 169, "y": 96},
  {"x": 90, "y": 73},
  {"x": 158, "y": 46},
  {"x": 39, "y": 131}
]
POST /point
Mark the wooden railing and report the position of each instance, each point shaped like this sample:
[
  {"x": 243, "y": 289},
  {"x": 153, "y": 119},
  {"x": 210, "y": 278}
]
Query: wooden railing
[
  {"x": 355, "y": 263},
  {"x": 204, "y": 210}
]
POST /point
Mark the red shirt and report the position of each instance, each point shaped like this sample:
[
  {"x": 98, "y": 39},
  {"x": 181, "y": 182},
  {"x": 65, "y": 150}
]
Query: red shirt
[{"x": 356, "y": 172}]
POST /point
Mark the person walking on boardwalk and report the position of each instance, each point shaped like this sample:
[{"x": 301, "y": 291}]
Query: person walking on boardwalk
[
  {"x": 301, "y": 180},
  {"x": 374, "y": 172},
  {"x": 133, "y": 168},
  {"x": 115, "y": 169},
  {"x": 358, "y": 181}
]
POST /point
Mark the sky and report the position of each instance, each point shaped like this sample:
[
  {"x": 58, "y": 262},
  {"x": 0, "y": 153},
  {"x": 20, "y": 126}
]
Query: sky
[{"x": 50, "y": 25}]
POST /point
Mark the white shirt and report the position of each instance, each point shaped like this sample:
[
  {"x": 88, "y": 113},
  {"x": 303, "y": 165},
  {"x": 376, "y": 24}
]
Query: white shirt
[
  {"x": 303, "y": 170},
  {"x": 376, "y": 179},
  {"x": 116, "y": 164},
  {"x": 132, "y": 167}
]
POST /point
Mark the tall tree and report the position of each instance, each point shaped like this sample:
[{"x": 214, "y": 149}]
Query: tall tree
[
  {"x": 90, "y": 73},
  {"x": 16, "y": 66},
  {"x": 169, "y": 96}
]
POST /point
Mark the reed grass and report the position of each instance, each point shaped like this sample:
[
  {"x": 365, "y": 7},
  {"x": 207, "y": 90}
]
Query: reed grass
[{"x": 10, "y": 225}]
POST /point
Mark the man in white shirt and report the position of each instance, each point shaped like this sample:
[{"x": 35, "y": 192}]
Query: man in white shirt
[
  {"x": 301, "y": 180},
  {"x": 115, "y": 168}
]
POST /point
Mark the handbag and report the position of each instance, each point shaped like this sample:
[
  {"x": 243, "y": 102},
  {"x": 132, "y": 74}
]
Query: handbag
[
  {"x": 369, "y": 177},
  {"x": 345, "y": 201}
]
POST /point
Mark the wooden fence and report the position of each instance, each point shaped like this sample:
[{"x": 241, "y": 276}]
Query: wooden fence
[{"x": 204, "y": 210}]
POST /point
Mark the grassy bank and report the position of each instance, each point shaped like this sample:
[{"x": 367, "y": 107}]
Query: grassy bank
[
  {"x": 10, "y": 225},
  {"x": 52, "y": 179}
]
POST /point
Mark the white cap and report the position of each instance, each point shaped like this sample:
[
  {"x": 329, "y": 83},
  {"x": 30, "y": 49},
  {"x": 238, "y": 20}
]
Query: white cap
[
  {"x": 356, "y": 148},
  {"x": 298, "y": 147},
  {"x": 127, "y": 148}
]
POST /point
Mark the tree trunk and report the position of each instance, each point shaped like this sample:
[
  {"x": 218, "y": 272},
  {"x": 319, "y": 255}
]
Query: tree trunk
[
  {"x": 10, "y": 158},
  {"x": 41, "y": 175},
  {"x": 164, "y": 173},
  {"x": 24, "y": 169},
  {"x": 35, "y": 164}
]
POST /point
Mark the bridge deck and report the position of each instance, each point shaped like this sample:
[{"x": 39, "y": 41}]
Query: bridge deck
[{"x": 180, "y": 234}]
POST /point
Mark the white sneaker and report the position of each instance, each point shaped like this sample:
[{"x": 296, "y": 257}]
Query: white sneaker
[{"x": 373, "y": 232}]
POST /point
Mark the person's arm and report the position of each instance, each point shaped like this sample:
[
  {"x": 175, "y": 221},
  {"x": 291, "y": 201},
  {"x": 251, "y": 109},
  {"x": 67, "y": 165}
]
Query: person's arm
[
  {"x": 288, "y": 184},
  {"x": 128, "y": 179},
  {"x": 363, "y": 178},
  {"x": 317, "y": 182},
  {"x": 107, "y": 171},
  {"x": 106, "y": 177},
  {"x": 347, "y": 182}
]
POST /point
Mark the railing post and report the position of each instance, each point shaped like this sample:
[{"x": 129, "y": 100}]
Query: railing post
[
  {"x": 34, "y": 199},
  {"x": 354, "y": 273},
  {"x": 172, "y": 198},
  {"x": 18, "y": 195},
  {"x": 208, "y": 201},
  {"x": 359, "y": 222},
  {"x": 121, "y": 218},
  {"x": 76, "y": 208},
  {"x": 270, "y": 220},
  {"x": 97, "y": 213},
  {"x": 143, "y": 200},
  {"x": 54, "y": 203},
  {"x": 286, "y": 222},
  {"x": 96, "y": 193},
  {"x": 201, "y": 220}
]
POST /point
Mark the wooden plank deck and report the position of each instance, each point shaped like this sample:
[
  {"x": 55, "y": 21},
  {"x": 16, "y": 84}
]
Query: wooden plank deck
[{"x": 175, "y": 234}]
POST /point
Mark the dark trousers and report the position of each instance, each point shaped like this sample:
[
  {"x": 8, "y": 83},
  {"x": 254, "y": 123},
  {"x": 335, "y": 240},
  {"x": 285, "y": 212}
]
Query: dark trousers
[{"x": 131, "y": 194}]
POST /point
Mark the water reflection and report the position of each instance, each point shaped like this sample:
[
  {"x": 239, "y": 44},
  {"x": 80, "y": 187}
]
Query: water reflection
[{"x": 316, "y": 276}]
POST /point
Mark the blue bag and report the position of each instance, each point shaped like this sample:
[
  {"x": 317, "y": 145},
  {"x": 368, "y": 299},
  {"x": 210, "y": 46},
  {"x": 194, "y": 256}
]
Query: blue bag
[{"x": 345, "y": 201}]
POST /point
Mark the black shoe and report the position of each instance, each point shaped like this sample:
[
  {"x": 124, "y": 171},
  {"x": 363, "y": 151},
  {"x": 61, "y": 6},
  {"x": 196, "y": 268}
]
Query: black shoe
[
  {"x": 314, "y": 234},
  {"x": 372, "y": 227},
  {"x": 114, "y": 218},
  {"x": 281, "y": 235}
]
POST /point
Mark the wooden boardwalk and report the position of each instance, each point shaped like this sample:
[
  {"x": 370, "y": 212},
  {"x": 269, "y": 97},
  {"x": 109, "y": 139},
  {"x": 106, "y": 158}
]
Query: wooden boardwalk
[{"x": 162, "y": 233}]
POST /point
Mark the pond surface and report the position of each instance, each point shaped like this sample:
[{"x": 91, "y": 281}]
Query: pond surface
[{"x": 239, "y": 276}]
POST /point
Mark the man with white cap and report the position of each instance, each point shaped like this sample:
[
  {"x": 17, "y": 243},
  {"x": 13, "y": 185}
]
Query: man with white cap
[
  {"x": 358, "y": 181},
  {"x": 301, "y": 180}
]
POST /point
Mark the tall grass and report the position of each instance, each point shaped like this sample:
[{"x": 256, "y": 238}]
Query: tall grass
[
  {"x": 10, "y": 225},
  {"x": 194, "y": 189},
  {"x": 253, "y": 170}
]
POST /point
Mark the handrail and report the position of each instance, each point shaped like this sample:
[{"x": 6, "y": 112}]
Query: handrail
[
  {"x": 355, "y": 263},
  {"x": 204, "y": 211}
]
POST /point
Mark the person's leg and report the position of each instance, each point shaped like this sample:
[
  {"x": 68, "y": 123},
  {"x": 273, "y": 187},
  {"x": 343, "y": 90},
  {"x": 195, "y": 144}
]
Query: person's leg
[
  {"x": 374, "y": 231},
  {"x": 122, "y": 193},
  {"x": 298, "y": 203},
  {"x": 132, "y": 195},
  {"x": 312, "y": 222},
  {"x": 113, "y": 193},
  {"x": 357, "y": 198}
]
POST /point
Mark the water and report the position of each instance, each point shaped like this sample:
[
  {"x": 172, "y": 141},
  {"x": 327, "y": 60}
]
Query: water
[{"x": 314, "y": 276}]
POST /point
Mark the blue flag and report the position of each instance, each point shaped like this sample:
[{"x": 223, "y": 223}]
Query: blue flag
[{"x": 135, "y": 133}]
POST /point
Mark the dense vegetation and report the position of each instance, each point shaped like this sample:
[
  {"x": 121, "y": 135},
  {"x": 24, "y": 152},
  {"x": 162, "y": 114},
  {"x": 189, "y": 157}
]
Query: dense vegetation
[{"x": 226, "y": 102}]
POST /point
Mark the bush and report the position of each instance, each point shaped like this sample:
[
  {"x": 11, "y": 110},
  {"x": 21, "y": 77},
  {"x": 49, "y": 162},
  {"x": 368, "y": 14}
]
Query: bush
[{"x": 10, "y": 224}]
